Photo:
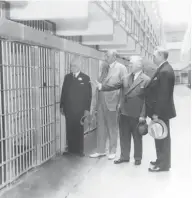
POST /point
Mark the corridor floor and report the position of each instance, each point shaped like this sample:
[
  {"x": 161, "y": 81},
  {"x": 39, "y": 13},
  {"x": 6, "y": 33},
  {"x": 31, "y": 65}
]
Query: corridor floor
[{"x": 73, "y": 177}]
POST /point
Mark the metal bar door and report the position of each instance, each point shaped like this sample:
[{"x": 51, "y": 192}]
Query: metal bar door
[
  {"x": 48, "y": 68},
  {"x": 17, "y": 129}
]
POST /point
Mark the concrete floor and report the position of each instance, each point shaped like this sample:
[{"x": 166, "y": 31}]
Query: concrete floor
[{"x": 72, "y": 177}]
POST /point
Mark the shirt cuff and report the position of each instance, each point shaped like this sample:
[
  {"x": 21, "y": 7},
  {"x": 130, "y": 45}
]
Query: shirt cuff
[{"x": 100, "y": 87}]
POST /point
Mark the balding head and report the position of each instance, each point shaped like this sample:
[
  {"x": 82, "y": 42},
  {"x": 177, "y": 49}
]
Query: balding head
[
  {"x": 110, "y": 56},
  {"x": 160, "y": 55},
  {"x": 75, "y": 64},
  {"x": 136, "y": 63}
]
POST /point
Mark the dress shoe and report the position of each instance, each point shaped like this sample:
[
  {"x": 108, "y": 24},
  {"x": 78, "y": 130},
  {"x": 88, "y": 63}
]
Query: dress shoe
[
  {"x": 96, "y": 155},
  {"x": 81, "y": 154},
  {"x": 154, "y": 163},
  {"x": 111, "y": 156},
  {"x": 119, "y": 161},
  {"x": 158, "y": 169},
  {"x": 137, "y": 162}
]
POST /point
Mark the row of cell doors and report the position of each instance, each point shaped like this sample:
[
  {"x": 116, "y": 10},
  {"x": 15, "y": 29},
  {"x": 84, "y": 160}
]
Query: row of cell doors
[
  {"x": 29, "y": 107},
  {"x": 30, "y": 122}
]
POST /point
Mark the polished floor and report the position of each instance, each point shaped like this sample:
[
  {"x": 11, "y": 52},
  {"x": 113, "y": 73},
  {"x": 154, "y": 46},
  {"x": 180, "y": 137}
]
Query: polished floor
[{"x": 75, "y": 177}]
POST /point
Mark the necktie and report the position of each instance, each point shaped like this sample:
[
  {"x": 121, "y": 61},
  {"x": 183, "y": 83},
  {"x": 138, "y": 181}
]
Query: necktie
[
  {"x": 104, "y": 74},
  {"x": 132, "y": 78}
]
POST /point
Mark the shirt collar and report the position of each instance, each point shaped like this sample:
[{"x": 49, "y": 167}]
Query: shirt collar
[
  {"x": 137, "y": 74},
  {"x": 76, "y": 74},
  {"x": 162, "y": 63},
  {"x": 112, "y": 64}
]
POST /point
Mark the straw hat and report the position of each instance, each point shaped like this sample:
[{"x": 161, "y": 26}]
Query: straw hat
[{"x": 157, "y": 129}]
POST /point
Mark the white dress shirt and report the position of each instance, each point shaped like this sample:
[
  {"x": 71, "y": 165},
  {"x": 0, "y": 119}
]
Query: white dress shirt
[
  {"x": 76, "y": 74},
  {"x": 112, "y": 64},
  {"x": 137, "y": 74}
]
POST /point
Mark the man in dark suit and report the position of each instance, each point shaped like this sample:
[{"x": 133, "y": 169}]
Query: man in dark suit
[
  {"x": 75, "y": 103},
  {"x": 131, "y": 108},
  {"x": 160, "y": 104}
]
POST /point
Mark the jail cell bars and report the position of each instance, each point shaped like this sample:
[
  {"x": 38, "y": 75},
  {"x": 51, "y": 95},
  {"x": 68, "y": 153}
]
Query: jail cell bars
[
  {"x": 68, "y": 58},
  {"x": 29, "y": 108},
  {"x": 56, "y": 62},
  {"x": 17, "y": 132},
  {"x": 47, "y": 105}
]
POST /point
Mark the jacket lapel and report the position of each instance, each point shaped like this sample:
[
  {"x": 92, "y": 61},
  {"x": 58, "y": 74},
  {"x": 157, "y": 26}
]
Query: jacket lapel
[
  {"x": 156, "y": 73},
  {"x": 79, "y": 75},
  {"x": 136, "y": 82}
]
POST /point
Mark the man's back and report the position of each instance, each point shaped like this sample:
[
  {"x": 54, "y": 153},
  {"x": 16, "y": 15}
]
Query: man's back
[{"x": 160, "y": 93}]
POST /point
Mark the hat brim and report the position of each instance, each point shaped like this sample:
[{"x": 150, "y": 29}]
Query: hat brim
[{"x": 164, "y": 127}]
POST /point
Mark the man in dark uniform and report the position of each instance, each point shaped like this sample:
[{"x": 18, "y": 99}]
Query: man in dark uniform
[
  {"x": 160, "y": 104},
  {"x": 75, "y": 103}
]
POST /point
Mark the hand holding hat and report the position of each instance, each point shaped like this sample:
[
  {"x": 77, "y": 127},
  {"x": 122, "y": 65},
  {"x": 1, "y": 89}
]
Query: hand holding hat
[{"x": 157, "y": 129}]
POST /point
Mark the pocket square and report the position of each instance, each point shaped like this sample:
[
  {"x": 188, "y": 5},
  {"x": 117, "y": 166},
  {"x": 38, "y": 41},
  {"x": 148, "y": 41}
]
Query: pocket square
[
  {"x": 82, "y": 83},
  {"x": 155, "y": 78}
]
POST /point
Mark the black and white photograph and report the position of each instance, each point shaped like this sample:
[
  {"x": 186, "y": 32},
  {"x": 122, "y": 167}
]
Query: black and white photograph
[{"x": 95, "y": 99}]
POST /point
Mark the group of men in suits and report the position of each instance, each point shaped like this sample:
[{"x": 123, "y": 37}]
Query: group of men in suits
[{"x": 123, "y": 101}]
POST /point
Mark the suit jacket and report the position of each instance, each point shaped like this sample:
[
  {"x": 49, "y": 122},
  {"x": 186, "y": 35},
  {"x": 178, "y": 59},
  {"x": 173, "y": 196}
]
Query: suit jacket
[
  {"x": 76, "y": 94},
  {"x": 115, "y": 75},
  {"x": 159, "y": 93},
  {"x": 132, "y": 101}
]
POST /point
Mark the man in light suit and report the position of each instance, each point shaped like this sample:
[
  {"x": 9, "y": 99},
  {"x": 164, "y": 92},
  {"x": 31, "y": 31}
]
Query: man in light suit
[
  {"x": 132, "y": 109},
  {"x": 160, "y": 104},
  {"x": 106, "y": 107}
]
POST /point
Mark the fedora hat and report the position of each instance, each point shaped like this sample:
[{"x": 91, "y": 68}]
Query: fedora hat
[
  {"x": 157, "y": 129},
  {"x": 89, "y": 122},
  {"x": 142, "y": 128}
]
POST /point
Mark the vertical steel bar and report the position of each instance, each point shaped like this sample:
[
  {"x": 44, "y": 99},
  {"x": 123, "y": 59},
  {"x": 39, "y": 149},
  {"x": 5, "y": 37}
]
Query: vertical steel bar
[
  {"x": 1, "y": 110},
  {"x": 47, "y": 68},
  {"x": 27, "y": 107},
  {"x": 45, "y": 105},
  {"x": 24, "y": 107},
  {"x": 31, "y": 71},
  {"x": 7, "y": 88},
  {"x": 14, "y": 90},
  {"x": 5, "y": 83},
  {"x": 3, "y": 131},
  {"x": 20, "y": 107}
]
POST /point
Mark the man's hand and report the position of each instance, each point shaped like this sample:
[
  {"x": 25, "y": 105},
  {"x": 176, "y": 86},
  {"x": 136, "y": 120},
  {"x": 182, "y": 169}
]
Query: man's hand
[
  {"x": 86, "y": 113},
  {"x": 141, "y": 119},
  {"x": 98, "y": 85},
  {"x": 155, "y": 117},
  {"x": 93, "y": 111},
  {"x": 62, "y": 111},
  {"x": 118, "y": 107}
]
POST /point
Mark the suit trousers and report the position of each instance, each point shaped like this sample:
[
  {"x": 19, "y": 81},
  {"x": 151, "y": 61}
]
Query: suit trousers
[
  {"x": 163, "y": 149},
  {"x": 107, "y": 127},
  {"x": 127, "y": 127},
  {"x": 75, "y": 133}
]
